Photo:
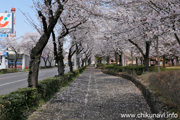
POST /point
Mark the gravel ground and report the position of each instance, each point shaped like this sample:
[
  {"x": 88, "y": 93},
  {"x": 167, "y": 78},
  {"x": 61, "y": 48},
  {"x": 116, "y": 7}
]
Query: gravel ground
[{"x": 95, "y": 96}]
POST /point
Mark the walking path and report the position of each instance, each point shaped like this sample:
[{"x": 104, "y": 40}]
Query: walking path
[{"x": 95, "y": 96}]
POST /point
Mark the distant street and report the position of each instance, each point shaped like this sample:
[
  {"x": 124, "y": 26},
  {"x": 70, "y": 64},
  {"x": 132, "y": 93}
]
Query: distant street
[{"x": 13, "y": 81}]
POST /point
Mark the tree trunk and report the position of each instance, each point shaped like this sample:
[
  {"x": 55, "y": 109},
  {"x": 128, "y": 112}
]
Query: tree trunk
[
  {"x": 141, "y": 60},
  {"x": 36, "y": 52},
  {"x": 107, "y": 60},
  {"x": 100, "y": 61},
  {"x": 157, "y": 53},
  {"x": 177, "y": 60},
  {"x": 120, "y": 60},
  {"x": 136, "y": 61},
  {"x": 146, "y": 57},
  {"x": 82, "y": 65},
  {"x": 89, "y": 61},
  {"x": 60, "y": 59},
  {"x": 35, "y": 56},
  {"x": 164, "y": 61},
  {"x": 70, "y": 62},
  {"x": 172, "y": 61},
  {"x": 34, "y": 70},
  {"x": 115, "y": 55},
  {"x": 132, "y": 57},
  {"x": 15, "y": 60},
  {"x": 177, "y": 38},
  {"x": 78, "y": 62}
]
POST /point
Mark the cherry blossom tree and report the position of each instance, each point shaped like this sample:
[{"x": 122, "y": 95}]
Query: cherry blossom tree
[
  {"x": 13, "y": 45},
  {"x": 48, "y": 14}
]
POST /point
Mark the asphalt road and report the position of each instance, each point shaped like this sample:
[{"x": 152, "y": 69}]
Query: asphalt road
[{"x": 13, "y": 81}]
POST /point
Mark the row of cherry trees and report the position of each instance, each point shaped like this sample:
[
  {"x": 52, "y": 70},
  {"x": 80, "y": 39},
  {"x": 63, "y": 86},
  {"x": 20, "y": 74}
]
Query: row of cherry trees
[
  {"x": 58, "y": 19},
  {"x": 144, "y": 29},
  {"x": 105, "y": 29}
]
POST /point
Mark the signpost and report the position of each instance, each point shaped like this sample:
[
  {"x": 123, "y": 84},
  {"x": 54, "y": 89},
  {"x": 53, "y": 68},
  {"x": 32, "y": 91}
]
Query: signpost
[
  {"x": 6, "y": 23},
  {"x": 3, "y": 53}
]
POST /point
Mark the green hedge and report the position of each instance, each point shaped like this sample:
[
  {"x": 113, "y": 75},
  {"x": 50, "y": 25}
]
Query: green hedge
[
  {"x": 155, "y": 69},
  {"x": 3, "y": 71},
  {"x": 9, "y": 70},
  {"x": 14, "y": 106},
  {"x": 130, "y": 69},
  {"x": 18, "y": 104},
  {"x": 48, "y": 87}
]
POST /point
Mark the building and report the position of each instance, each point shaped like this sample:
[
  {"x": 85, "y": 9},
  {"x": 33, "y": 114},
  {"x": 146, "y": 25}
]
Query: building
[{"x": 7, "y": 59}]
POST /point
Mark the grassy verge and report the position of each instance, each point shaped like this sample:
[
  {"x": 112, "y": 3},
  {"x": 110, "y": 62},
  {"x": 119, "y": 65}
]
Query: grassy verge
[{"x": 19, "y": 104}]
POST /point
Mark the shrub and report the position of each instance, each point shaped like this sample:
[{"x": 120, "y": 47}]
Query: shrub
[
  {"x": 168, "y": 85},
  {"x": 76, "y": 72},
  {"x": 68, "y": 76},
  {"x": 11, "y": 70},
  {"x": 13, "y": 106},
  {"x": 129, "y": 69},
  {"x": 100, "y": 65},
  {"x": 82, "y": 69},
  {"x": 118, "y": 68},
  {"x": 109, "y": 67},
  {"x": 3, "y": 71},
  {"x": 155, "y": 69},
  {"x": 139, "y": 69},
  {"x": 47, "y": 87}
]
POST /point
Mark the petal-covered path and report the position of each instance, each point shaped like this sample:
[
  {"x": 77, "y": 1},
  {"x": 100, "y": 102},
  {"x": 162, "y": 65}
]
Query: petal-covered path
[{"x": 95, "y": 96}]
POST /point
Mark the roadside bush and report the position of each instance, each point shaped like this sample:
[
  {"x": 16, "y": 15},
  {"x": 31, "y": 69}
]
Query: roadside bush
[
  {"x": 100, "y": 65},
  {"x": 11, "y": 70},
  {"x": 118, "y": 68},
  {"x": 139, "y": 70},
  {"x": 155, "y": 69},
  {"x": 68, "y": 76},
  {"x": 76, "y": 72},
  {"x": 129, "y": 69},
  {"x": 13, "y": 106},
  {"x": 82, "y": 69},
  {"x": 47, "y": 87},
  {"x": 168, "y": 85},
  {"x": 3, "y": 71},
  {"x": 108, "y": 66}
]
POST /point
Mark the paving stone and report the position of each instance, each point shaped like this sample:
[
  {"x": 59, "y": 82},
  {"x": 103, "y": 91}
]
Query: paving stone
[{"x": 95, "y": 96}]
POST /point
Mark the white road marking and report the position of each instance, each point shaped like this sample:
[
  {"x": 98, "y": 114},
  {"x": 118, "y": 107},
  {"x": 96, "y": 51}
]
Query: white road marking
[
  {"x": 86, "y": 96},
  {"x": 12, "y": 82},
  {"x": 16, "y": 81}
]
